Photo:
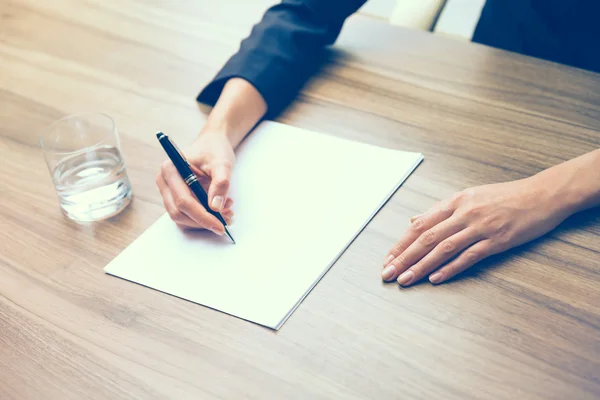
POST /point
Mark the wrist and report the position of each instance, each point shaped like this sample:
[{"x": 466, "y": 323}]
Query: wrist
[
  {"x": 218, "y": 131},
  {"x": 239, "y": 108},
  {"x": 564, "y": 188},
  {"x": 222, "y": 129},
  {"x": 546, "y": 197}
]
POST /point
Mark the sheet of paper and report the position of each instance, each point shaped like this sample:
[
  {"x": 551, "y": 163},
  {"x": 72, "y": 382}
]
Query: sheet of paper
[{"x": 301, "y": 197}]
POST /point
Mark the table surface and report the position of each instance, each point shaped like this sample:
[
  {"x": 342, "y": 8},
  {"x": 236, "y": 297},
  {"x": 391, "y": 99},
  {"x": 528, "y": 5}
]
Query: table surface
[{"x": 524, "y": 324}]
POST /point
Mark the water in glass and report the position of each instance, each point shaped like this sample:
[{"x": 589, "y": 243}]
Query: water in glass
[{"x": 92, "y": 184}]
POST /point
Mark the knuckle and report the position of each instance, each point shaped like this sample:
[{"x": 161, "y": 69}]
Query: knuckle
[
  {"x": 503, "y": 233},
  {"x": 220, "y": 165},
  {"x": 396, "y": 250},
  {"x": 447, "y": 246},
  {"x": 477, "y": 231},
  {"x": 447, "y": 209},
  {"x": 175, "y": 215},
  {"x": 418, "y": 225},
  {"x": 417, "y": 269},
  {"x": 226, "y": 165},
  {"x": 221, "y": 183},
  {"x": 468, "y": 194},
  {"x": 400, "y": 261},
  {"x": 490, "y": 221},
  {"x": 496, "y": 225},
  {"x": 427, "y": 238},
  {"x": 462, "y": 196},
  {"x": 398, "y": 247},
  {"x": 471, "y": 256},
  {"x": 447, "y": 206},
  {"x": 473, "y": 212},
  {"x": 457, "y": 197},
  {"x": 183, "y": 202}
]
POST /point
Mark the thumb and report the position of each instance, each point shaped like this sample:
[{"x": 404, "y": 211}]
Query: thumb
[{"x": 220, "y": 175}]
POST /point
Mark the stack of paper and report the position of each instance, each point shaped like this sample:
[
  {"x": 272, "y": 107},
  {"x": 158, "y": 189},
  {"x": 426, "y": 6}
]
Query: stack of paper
[{"x": 300, "y": 199}]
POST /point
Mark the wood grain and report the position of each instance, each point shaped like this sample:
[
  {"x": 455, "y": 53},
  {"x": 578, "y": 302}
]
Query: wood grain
[{"x": 524, "y": 325}]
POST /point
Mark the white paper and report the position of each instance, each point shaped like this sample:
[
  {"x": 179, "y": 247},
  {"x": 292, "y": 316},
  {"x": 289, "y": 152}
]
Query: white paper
[{"x": 300, "y": 199}]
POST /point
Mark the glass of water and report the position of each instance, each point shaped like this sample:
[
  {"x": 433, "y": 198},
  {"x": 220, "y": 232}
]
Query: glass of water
[{"x": 83, "y": 154}]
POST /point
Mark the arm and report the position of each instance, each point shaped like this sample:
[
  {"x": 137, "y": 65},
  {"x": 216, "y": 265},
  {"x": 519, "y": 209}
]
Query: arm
[
  {"x": 575, "y": 185},
  {"x": 238, "y": 109},
  {"x": 284, "y": 50},
  {"x": 485, "y": 220},
  {"x": 211, "y": 157},
  {"x": 272, "y": 64}
]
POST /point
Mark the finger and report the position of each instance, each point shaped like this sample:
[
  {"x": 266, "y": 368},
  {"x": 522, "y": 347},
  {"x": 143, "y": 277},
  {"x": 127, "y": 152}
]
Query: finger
[
  {"x": 465, "y": 260},
  {"x": 443, "y": 252},
  {"x": 226, "y": 210},
  {"x": 182, "y": 220},
  {"x": 219, "y": 186},
  {"x": 228, "y": 216},
  {"x": 417, "y": 227},
  {"x": 227, "y": 207},
  {"x": 190, "y": 206},
  {"x": 203, "y": 179},
  {"x": 187, "y": 203},
  {"x": 413, "y": 219},
  {"x": 187, "y": 224},
  {"x": 435, "y": 207},
  {"x": 421, "y": 246}
]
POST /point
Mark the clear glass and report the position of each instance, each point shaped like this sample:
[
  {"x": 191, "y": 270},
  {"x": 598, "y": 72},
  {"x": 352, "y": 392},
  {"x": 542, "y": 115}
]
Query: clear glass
[{"x": 83, "y": 154}]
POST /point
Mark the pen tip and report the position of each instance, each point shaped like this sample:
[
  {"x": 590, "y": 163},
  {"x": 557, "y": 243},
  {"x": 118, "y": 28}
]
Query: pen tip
[
  {"x": 229, "y": 235},
  {"x": 160, "y": 135}
]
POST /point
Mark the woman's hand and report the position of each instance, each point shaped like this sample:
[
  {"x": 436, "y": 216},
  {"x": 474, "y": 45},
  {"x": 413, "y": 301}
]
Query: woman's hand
[
  {"x": 211, "y": 158},
  {"x": 472, "y": 225}
]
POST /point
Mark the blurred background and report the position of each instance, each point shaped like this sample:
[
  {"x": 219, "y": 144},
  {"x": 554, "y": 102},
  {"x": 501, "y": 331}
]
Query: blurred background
[{"x": 455, "y": 18}]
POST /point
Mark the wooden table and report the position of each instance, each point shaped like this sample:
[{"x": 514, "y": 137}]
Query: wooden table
[{"x": 523, "y": 325}]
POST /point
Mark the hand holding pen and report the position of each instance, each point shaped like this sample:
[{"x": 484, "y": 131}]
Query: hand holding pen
[{"x": 187, "y": 202}]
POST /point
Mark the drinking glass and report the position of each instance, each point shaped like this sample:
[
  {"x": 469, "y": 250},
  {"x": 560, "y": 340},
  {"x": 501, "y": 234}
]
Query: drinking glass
[{"x": 83, "y": 155}]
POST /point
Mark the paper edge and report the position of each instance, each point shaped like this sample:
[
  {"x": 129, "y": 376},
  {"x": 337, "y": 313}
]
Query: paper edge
[
  {"x": 105, "y": 269},
  {"x": 189, "y": 301},
  {"x": 337, "y": 257}
]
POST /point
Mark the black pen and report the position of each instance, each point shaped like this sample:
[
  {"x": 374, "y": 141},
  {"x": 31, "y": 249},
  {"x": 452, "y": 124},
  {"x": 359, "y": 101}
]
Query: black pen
[{"x": 183, "y": 167}]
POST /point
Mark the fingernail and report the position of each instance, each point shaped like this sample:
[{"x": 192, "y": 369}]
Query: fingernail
[
  {"x": 388, "y": 273},
  {"x": 217, "y": 231},
  {"x": 406, "y": 278},
  {"x": 388, "y": 260},
  {"x": 436, "y": 278},
  {"x": 217, "y": 203}
]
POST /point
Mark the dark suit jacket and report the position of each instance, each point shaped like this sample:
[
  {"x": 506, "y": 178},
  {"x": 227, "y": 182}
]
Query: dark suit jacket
[{"x": 285, "y": 48}]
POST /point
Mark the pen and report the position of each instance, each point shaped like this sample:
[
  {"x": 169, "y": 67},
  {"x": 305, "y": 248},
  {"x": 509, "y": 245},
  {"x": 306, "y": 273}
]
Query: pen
[{"x": 183, "y": 167}]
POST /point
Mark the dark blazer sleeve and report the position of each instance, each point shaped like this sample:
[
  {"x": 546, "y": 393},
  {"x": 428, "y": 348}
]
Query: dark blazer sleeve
[{"x": 283, "y": 50}]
